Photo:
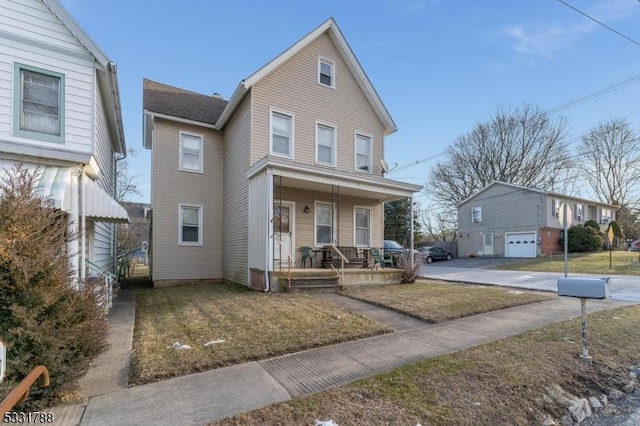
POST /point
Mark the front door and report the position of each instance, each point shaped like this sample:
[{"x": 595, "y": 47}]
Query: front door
[
  {"x": 488, "y": 245},
  {"x": 283, "y": 229}
]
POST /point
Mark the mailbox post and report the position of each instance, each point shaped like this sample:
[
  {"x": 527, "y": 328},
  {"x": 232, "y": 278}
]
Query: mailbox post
[{"x": 584, "y": 288}]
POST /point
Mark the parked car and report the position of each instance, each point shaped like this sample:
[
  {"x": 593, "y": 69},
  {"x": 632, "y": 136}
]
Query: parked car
[
  {"x": 431, "y": 253},
  {"x": 392, "y": 247}
]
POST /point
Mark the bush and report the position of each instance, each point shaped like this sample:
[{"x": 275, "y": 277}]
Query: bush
[
  {"x": 43, "y": 320},
  {"x": 592, "y": 224},
  {"x": 583, "y": 239}
]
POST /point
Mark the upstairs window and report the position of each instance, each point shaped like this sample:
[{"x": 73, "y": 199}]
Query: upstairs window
[
  {"x": 326, "y": 72},
  {"x": 606, "y": 216},
  {"x": 281, "y": 134},
  {"x": 476, "y": 214},
  {"x": 325, "y": 144},
  {"x": 578, "y": 214},
  {"x": 191, "y": 152},
  {"x": 39, "y": 104},
  {"x": 364, "y": 159}
]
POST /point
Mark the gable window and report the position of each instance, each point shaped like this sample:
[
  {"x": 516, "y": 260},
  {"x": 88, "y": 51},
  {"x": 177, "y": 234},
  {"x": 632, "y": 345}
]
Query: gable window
[
  {"x": 361, "y": 226},
  {"x": 324, "y": 224},
  {"x": 281, "y": 134},
  {"x": 38, "y": 104},
  {"x": 476, "y": 214},
  {"x": 326, "y": 72},
  {"x": 191, "y": 152},
  {"x": 364, "y": 159},
  {"x": 189, "y": 225},
  {"x": 325, "y": 144}
]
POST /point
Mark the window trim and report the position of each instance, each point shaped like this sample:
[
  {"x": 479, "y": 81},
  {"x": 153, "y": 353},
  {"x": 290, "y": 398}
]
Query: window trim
[
  {"x": 355, "y": 228},
  {"x": 335, "y": 143},
  {"x": 332, "y": 64},
  {"x": 355, "y": 153},
  {"x": 200, "y": 155},
  {"x": 200, "y": 224},
  {"x": 291, "y": 136},
  {"x": 315, "y": 222},
  {"x": 473, "y": 210},
  {"x": 17, "y": 104}
]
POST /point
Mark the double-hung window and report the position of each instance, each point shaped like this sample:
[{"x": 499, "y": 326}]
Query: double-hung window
[
  {"x": 476, "y": 214},
  {"x": 191, "y": 152},
  {"x": 361, "y": 226},
  {"x": 190, "y": 225},
  {"x": 281, "y": 134},
  {"x": 38, "y": 104},
  {"x": 326, "y": 72},
  {"x": 325, "y": 144},
  {"x": 324, "y": 224},
  {"x": 364, "y": 161}
]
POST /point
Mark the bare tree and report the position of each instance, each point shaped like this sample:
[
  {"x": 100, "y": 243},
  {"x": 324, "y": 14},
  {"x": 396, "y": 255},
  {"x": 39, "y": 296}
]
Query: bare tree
[
  {"x": 610, "y": 160},
  {"x": 521, "y": 146},
  {"x": 125, "y": 183}
]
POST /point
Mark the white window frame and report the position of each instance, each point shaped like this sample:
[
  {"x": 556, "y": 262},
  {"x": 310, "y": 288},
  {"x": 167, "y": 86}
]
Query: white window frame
[
  {"x": 355, "y": 150},
  {"x": 335, "y": 143},
  {"x": 473, "y": 214},
  {"x": 332, "y": 65},
  {"x": 578, "y": 214},
  {"x": 18, "y": 87},
  {"x": 181, "y": 166},
  {"x": 291, "y": 116},
  {"x": 606, "y": 215},
  {"x": 181, "y": 206},
  {"x": 315, "y": 223},
  {"x": 355, "y": 226}
]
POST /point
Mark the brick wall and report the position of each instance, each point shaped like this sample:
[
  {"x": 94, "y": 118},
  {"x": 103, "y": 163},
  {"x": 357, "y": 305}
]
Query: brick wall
[{"x": 549, "y": 241}]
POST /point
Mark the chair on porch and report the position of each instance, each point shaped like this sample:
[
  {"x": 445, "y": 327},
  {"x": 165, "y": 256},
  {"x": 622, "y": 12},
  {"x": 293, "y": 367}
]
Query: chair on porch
[
  {"x": 308, "y": 253},
  {"x": 378, "y": 259}
]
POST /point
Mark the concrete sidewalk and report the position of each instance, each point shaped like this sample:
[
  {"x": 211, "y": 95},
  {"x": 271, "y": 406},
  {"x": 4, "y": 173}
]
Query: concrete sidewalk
[{"x": 198, "y": 398}]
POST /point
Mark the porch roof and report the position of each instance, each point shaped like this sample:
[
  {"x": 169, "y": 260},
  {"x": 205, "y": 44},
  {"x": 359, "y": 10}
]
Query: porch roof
[{"x": 321, "y": 179}]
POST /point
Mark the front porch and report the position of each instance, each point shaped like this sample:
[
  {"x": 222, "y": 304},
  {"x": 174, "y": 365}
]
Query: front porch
[{"x": 327, "y": 279}]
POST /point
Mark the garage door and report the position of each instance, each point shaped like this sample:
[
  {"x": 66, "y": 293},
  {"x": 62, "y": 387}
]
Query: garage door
[{"x": 521, "y": 244}]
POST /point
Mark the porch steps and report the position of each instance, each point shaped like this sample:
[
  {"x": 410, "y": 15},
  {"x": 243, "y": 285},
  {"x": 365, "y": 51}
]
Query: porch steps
[{"x": 315, "y": 283}]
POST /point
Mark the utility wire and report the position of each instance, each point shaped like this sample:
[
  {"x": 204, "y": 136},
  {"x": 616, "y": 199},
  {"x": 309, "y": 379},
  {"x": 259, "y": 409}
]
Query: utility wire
[{"x": 599, "y": 22}]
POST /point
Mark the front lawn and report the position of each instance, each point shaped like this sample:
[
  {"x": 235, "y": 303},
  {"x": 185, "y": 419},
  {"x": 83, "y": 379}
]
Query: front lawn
[
  {"x": 622, "y": 262},
  {"x": 244, "y": 324},
  {"x": 436, "y": 302}
]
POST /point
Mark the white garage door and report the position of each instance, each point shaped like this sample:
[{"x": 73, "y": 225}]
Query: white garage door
[{"x": 521, "y": 244}]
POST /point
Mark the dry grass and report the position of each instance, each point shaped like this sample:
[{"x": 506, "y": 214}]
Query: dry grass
[
  {"x": 498, "y": 383},
  {"x": 253, "y": 326},
  {"x": 622, "y": 262},
  {"x": 436, "y": 302}
]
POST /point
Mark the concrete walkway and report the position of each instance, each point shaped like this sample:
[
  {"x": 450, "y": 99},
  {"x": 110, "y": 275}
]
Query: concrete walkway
[{"x": 198, "y": 398}]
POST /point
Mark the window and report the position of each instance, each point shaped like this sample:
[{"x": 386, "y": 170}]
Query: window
[
  {"x": 476, "y": 214},
  {"x": 364, "y": 161},
  {"x": 190, "y": 152},
  {"x": 606, "y": 216},
  {"x": 281, "y": 134},
  {"x": 39, "y": 104},
  {"x": 361, "y": 226},
  {"x": 326, "y": 71},
  {"x": 579, "y": 212},
  {"x": 325, "y": 144},
  {"x": 190, "y": 225},
  {"x": 555, "y": 207},
  {"x": 488, "y": 240},
  {"x": 324, "y": 224}
]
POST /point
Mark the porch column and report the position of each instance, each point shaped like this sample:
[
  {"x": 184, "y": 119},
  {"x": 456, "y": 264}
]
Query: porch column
[
  {"x": 269, "y": 237},
  {"x": 83, "y": 228},
  {"x": 72, "y": 245}
]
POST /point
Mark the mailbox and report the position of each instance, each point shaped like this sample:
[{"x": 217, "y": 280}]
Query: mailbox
[{"x": 591, "y": 288}]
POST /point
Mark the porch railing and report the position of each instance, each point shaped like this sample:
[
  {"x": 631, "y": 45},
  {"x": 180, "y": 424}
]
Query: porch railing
[
  {"x": 343, "y": 259},
  {"x": 20, "y": 393},
  {"x": 108, "y": 279}
]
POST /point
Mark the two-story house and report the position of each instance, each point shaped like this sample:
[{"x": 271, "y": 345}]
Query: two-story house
[
  {"x": 291, "y": 160},
  {"x": 504, "y": 219},
  {"x": 60, "y": 114}
]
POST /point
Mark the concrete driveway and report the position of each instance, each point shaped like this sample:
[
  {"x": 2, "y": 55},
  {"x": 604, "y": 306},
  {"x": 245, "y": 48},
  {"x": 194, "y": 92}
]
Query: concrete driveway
[
  {"x": 475, "y": 262},
  {"x": 622, "y": 287}
]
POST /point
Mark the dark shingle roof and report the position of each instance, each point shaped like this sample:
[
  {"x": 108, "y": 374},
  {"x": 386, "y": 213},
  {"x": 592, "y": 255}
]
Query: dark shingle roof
[{"x": 169, "y": 100}]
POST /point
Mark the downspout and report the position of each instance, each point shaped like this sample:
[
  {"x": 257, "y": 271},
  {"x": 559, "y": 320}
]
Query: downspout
[
  {"x": 83, "y": 227},
  {"x": 116, "y": 226},
  {"x": 411, "y": 233},
  {"x": 72, "y": 246}
]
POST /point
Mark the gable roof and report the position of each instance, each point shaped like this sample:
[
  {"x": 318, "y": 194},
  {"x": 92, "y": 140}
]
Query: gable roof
[
  {"x": 529, "y": 189},
  {"x": 107, "y": 68},
  {"x": 331, "y": 29},
  {"x": 175, "y": 102}
]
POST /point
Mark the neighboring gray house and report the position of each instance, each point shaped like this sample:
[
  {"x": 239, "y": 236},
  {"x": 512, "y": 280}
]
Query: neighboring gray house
[
  {"x": 504, "y": 219},
  {"x": 292, "y": 160},
  {"x": 60, "y": 112}
]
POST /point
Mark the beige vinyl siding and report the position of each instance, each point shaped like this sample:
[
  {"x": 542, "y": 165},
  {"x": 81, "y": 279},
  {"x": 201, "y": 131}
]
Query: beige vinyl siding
[
  {"x": 172, "y": 261},
  {"x": 32, "y": 36},
  {"x": 259, "y": 220},
  {"x": 294, "y": 87},
  {"x": 236, "y": 194}
]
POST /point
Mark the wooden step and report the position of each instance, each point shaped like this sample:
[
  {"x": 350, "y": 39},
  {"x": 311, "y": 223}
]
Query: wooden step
[{"x": 315, "y": 283}]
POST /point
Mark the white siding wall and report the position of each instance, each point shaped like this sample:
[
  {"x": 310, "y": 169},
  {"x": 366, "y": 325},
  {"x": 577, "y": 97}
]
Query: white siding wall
[
  {"x": 237, "y": 142},
  {"x": 31, "y": 35}
]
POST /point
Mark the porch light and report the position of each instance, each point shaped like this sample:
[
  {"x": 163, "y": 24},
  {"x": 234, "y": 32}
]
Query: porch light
[{"x": 306, "y": 209}]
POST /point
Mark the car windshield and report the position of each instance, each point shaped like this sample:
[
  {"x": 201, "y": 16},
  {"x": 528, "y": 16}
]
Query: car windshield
[{"x": 392, "y": 244}]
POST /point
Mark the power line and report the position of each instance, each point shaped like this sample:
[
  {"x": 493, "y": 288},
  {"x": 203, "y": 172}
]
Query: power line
[{"x": 599, "y": 22}]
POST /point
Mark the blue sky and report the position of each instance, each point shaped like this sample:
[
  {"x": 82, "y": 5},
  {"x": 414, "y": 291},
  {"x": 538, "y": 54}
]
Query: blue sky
[{"x": 440, "y": 66}]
